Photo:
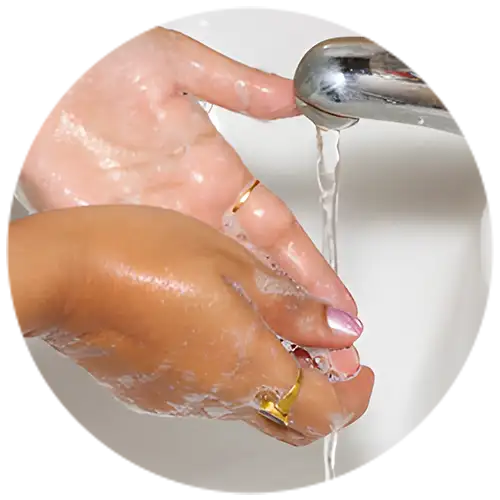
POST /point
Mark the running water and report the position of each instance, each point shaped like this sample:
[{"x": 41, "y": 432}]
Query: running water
[
  {"x": 328, "y": 167},
  {"x": 328, "y": 179}
]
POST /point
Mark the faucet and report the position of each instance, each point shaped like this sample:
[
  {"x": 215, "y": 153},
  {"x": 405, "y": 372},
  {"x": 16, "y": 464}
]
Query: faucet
[{"x": 342, "y": 80}]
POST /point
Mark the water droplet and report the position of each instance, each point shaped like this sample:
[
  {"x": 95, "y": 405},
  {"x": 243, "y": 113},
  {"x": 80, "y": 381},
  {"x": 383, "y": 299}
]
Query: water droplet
[
  {"x": 321, "y": 363},
  {"x": 333, "y": 377}
]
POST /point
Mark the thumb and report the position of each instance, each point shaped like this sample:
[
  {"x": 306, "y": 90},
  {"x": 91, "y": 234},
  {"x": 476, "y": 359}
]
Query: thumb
[{"x": 288, "y": 309}]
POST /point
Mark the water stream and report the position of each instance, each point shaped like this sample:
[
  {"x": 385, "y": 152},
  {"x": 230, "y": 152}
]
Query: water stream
[{"x": 328, "y": 167}]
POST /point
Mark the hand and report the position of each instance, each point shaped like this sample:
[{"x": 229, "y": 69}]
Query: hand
[
  {"x": 130, "y": 131},
  {"x": 175, "y": 318}
]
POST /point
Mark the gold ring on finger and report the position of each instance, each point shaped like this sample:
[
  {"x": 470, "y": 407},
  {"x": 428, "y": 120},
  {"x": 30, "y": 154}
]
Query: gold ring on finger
[
  {"x": 244, "y": 196},
  {"x": 278, "y": 409}
]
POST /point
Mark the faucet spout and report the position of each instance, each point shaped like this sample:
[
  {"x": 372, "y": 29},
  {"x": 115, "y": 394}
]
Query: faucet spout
[{"x": 342, "y": 80}]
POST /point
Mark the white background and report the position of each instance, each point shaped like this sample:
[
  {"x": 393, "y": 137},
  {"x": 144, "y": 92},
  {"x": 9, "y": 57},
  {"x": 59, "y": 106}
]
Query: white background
[{"x": 42, "y": 44}]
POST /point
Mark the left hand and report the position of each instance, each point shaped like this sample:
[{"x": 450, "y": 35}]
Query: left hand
[{"x": 177, "y": 319}]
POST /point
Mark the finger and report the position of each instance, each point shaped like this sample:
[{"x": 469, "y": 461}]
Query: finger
[
  {"x": 220, "y": 80},
  {"x": 350, "y": 402},
  {"x": 285, "y": 435},
  {"x": 349, "y": 393},
  {"x": 286, "y": 307},
  {"x": 269, "y": 225},
  {"x": 267, "y": 366}
]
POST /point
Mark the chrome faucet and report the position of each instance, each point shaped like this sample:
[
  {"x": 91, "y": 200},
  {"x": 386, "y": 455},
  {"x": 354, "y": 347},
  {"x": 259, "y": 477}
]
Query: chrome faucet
[{"x": 342, "y": 80}]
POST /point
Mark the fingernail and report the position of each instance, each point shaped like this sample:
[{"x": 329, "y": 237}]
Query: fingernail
[
  {"x": 343, "y": 322},
  {"x": 339, "y": 365}
]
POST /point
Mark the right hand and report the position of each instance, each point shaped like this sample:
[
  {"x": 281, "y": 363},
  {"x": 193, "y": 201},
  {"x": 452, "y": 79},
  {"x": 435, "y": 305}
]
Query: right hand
[{"x": 176, "y": 318}]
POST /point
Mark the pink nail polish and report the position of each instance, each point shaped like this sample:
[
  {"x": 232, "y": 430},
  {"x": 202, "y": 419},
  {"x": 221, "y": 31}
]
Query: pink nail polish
[{"x": 343, "y": 322}]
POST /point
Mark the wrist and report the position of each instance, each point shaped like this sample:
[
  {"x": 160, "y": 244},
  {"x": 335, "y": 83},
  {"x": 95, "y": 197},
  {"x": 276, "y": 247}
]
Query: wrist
[{"x": 43, "y": 258}]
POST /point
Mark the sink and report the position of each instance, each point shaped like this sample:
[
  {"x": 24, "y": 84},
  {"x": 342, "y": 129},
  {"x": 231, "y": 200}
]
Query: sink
[{"x": 412, "y": 236}]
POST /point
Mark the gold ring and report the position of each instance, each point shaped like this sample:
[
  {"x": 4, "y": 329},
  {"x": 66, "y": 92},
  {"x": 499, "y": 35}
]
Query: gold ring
[
  {"x": 278, "y": 409},
  {"x": 244, "y": 196}
]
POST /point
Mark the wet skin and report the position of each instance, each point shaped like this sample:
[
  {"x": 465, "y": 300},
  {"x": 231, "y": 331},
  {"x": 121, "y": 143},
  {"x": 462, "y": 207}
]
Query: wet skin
[{"x": 131, "y": 131}]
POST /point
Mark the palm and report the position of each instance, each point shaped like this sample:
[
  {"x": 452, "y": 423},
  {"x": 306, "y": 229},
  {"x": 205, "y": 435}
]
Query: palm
[{"x": 129, "y": 131}]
